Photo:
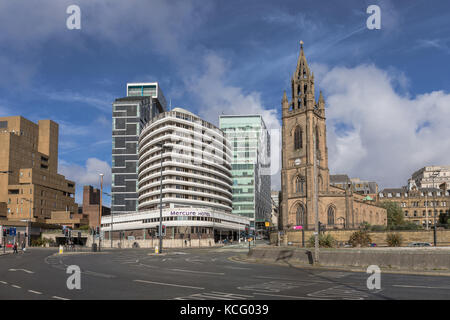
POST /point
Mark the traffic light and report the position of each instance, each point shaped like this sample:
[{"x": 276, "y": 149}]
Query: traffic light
[
  {"x": 97, "y": 230},
  {"x": 246, "y": 230},
  {"x": 4, "y": 232},
  {"x": 163, "y": 230}
]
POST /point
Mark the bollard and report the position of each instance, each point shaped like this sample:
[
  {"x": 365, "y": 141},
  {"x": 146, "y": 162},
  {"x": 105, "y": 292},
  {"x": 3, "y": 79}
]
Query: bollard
[
  {"x": 156, "y": 249},
  {"x": 61, "y": 250}
]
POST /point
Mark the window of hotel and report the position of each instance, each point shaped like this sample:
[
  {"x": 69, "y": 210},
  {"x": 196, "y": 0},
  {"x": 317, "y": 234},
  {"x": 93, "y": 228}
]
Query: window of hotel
[{"x": 406, "y": 213}]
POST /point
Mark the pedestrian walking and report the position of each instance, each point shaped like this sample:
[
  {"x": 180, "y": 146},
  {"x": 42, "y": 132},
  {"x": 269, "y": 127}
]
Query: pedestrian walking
[{"x": 15, "y": 247}]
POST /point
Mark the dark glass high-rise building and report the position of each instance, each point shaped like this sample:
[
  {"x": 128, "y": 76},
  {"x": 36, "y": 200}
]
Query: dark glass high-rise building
[{"x": 130, "y": 115}]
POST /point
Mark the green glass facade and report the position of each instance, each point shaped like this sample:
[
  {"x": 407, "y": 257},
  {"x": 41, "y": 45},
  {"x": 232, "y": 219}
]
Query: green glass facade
[{"x": 250, "y": 144}]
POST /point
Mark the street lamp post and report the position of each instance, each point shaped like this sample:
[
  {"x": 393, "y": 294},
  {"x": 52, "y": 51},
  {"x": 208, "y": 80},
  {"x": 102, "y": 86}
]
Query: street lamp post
[
  {"x": 162, "y": 146},
  {"x": 29, "y": 222},
  {"x": 433, "y": 176},
  {"x": 316, "y": 204},
  {"x": 100, "y": 212}
]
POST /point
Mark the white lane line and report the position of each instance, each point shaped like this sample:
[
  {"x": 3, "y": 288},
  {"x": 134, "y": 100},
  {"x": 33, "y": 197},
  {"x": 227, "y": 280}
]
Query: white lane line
[
  {"x": 24, "y": 270},
  {"x": 169, "y": 284},
  {"x": 36, "y": 292},
  {"x": 59, "y": 298},
  {"x": 284, "y": 296},
  {"x": 192, "y": 271},
  {"x": 4, "y": 282},
  {"x": 295, "y": 280},
  {"x": 421, "y": 287},
  {"x": 13, "y": 285},
  {"x": 237, "y": 268}
]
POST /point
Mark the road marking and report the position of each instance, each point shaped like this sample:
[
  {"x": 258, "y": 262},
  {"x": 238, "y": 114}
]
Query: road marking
[
  {"x": 273, "y": 286},
  {"x": 284, "y": 296},
  {"x": 59, "y": 298},
  {"x": 103, "y": 275},
  {"x": 340, "y": 292},
  {"x": 237, "y": 268},
  {"x": 36, "y": 292},
  {"x": 192, "y": 271},
  {"x": 422, "y": 287},
  {"x": 215, "y": 295},
  {"x": 169, "y": 284},
  {"x": 4, "y": 282},
  {"x": 13, "y": 285},
  {"x": 295, "y": 280},
  {"x": 24, "y": 270}
]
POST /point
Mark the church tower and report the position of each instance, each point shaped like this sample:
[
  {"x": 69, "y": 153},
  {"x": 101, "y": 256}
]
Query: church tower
[{"x": 303, "y": 121}]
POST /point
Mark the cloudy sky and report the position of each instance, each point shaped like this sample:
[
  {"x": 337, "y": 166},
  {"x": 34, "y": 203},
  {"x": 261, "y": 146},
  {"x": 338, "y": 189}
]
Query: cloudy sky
[{"x": 386, "y": 91}]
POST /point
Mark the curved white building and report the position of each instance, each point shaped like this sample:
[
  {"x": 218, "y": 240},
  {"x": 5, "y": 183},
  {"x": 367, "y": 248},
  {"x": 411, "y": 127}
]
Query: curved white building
[
  {"x": 194, "y": 159},
  {"x": 196, "y": 164}
]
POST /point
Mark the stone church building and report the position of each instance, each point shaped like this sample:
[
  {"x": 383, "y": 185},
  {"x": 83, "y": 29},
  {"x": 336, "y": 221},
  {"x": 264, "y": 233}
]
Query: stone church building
[{"x": 303, "y": 130}]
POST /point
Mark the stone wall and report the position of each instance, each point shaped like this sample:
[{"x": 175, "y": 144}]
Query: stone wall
[
  {"x": 151, "y": 243},
  {"x": 408, "y": 259},
  {"x": 378, "y": 237}
]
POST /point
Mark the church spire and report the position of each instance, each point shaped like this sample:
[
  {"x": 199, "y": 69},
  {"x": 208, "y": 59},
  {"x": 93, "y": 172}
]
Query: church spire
[
  {"x": 302, "y": 65},
  {"x": 302, "y": 84}
]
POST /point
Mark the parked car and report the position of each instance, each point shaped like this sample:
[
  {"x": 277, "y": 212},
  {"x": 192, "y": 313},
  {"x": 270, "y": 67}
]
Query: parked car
[{"x": 419, "y": 244}]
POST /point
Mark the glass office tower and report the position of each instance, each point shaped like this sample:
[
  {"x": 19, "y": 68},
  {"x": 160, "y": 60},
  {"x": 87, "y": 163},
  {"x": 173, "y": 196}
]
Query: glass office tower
[{"x": 250, "y": 143}]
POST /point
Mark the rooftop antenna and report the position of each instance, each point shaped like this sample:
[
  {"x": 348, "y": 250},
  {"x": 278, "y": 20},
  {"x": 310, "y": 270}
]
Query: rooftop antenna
[{"x": 170, "y": 104}]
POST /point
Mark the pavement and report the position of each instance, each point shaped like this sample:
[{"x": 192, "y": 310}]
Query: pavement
[{"x": 195, "y": 274}]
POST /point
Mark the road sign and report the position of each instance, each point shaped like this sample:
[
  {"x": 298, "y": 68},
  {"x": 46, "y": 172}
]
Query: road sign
[
  {"x": 297, "y": 227},
  {"x": 12, "y": 231}
]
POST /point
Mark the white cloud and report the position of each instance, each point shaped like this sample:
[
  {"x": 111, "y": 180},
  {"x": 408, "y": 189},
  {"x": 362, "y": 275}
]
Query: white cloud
[
  {"x": 386, "y": 135},
  {"x": 216, "y": 97},
  {"x": 88, "y": 174}
]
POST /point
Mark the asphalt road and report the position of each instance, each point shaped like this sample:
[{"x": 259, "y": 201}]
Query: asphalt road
[{"x": 198, "y": 274}]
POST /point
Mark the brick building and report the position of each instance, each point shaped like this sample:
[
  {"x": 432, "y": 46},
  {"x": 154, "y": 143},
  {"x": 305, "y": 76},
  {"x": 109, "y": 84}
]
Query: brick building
[
  {"x": 91, "y": 205},
  {"x": 29, "y": 182}
]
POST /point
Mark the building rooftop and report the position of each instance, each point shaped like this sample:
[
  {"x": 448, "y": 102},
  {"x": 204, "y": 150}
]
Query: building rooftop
[
  {"x": 337, "y": 178},
  {"x": 132, "y": 98}
]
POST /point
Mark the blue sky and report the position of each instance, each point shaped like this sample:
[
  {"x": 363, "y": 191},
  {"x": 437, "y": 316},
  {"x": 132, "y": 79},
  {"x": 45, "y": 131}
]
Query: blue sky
[{"x": 386, "y": 91}]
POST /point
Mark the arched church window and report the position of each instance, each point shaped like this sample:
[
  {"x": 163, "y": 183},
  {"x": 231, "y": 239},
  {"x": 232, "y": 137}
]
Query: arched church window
[
  {"x": 300, "y": 184},
  {"x": 298, "y": 138},
  {"x": 331, "y": 215},
  {"x": 300, "y": 217}
]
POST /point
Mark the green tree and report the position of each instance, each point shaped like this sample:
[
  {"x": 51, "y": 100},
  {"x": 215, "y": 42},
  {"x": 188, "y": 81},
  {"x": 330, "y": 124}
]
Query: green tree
[{"x": 394, "y": 214}]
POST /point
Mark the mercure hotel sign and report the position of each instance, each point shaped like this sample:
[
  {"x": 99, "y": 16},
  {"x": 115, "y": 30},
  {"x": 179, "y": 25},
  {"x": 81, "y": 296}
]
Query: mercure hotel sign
[{"x": 190, "y": 213}]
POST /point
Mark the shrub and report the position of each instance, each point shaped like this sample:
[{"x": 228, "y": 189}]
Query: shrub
[
  {"x": 407, "y": 226},
  {"x": 325, "y": 241},
  {"x": 394, "y": 240},
  {"x": 364, "y": 225},
  {"x": 84, "y": 228},
  {"x": 378, "y": 228},
  {"x": 360, "y": 239}
]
